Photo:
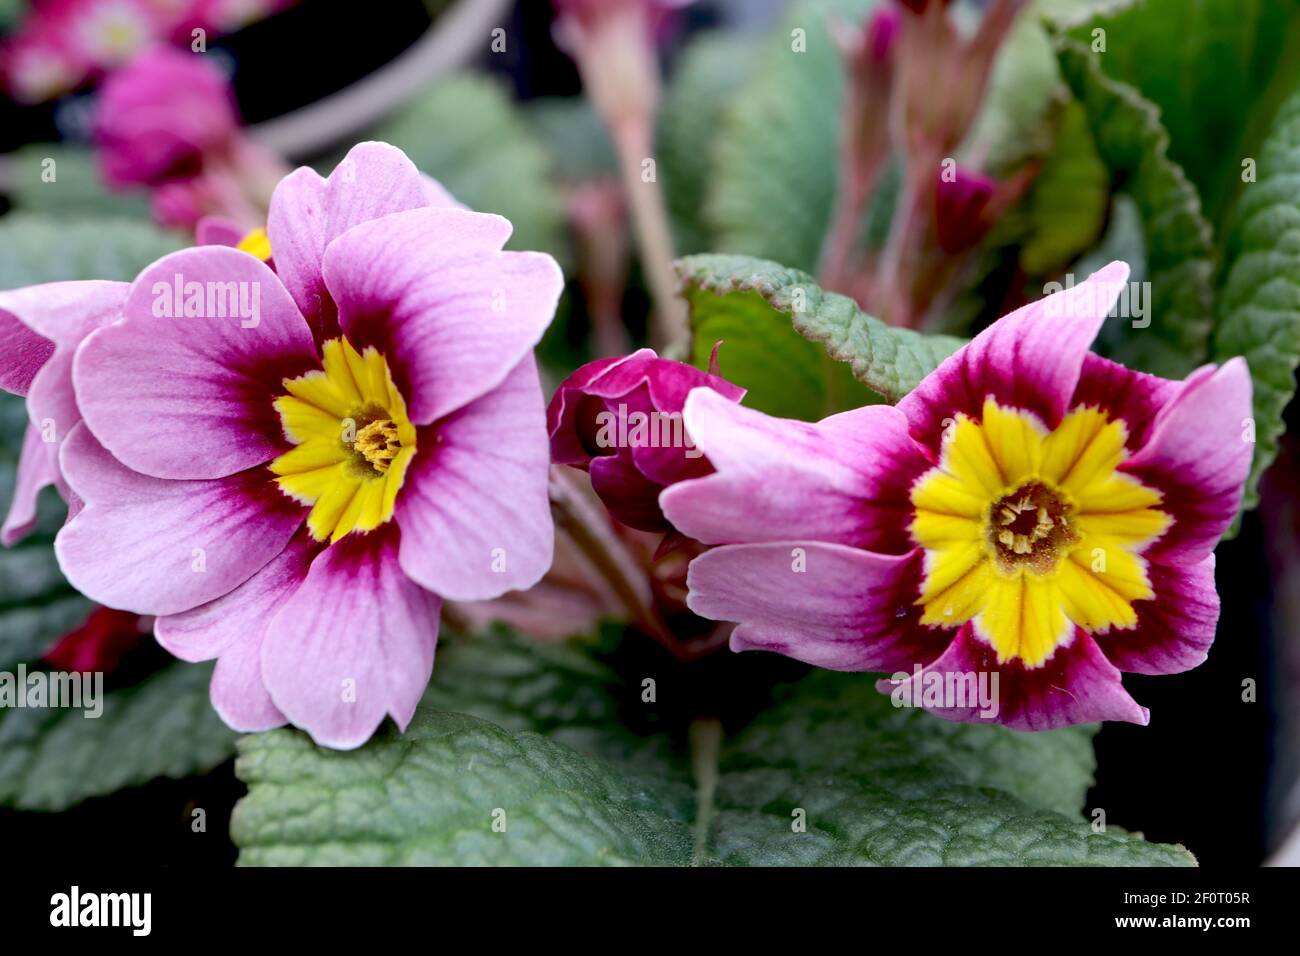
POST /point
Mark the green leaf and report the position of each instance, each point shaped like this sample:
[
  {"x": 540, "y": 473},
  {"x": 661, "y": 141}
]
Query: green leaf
[
  {"x": 757, "y": 307},
  {"x": 39, "y": 249},
  {"x": 898, "y": 787},
  {"x": 1216, "y": 88},
  {"x": 1258, "y": 313},
  {"x": 429, "y": 796},
  {"x": 709, "y": 72},
  {"x": 53, "y": 758},
  {"x": 573, "y": 135},
  {"x": 76, "y": 191},
  {"x": 773, "y": 183},
  {"x": 542, "y": 750},
  {"x": 467, "y": 133},
  {"x": 1134, "y": 146},
  {"x": 37, "y": 605},
  {"x": 1065, "y": 208}
]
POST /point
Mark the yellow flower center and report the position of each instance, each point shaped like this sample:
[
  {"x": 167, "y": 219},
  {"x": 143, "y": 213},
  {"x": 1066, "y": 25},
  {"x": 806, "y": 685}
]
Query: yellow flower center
[
  {"x": 352, "y": 442},
  {"x": 1028, "y": 533},
  {"x": 256, "y": 243}
]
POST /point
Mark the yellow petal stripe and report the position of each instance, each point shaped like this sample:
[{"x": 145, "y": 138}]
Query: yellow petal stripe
[
  {"x": 352, "y": 441},
  {"x": 1028, "y": 534}
]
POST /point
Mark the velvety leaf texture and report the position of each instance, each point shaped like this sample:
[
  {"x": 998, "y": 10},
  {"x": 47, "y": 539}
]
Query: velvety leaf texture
[
  {"x": 41, "y": 249},
  {"x": 1134, "y": 146},
  {"x": 878, "y": 785},
  {"x": 752, "y": 303},
  {"x": 1216, "y": 88},
  {"x": 1258, "y": 312},
  {"x": 53, "y": 758}
]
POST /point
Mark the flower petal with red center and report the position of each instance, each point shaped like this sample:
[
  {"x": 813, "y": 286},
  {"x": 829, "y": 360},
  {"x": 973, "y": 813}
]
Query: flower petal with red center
[
  {"x": 181, "y": 396},
  {"x": 354, "y": 643},
  {"x": 474, "y": 512},
  {"x": 156, "y": 546}
]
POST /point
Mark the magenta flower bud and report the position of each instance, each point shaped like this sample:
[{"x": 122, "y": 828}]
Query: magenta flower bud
[
  {"x": 621, "y": 420},
  {"x": 158, "y": 117},
  {"x": 881, "y": 33},
  {"x": 961, "y": 210}
]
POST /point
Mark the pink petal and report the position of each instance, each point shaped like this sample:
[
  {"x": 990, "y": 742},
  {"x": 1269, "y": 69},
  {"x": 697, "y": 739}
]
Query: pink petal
[
  {"x": 155, "y": 546},
  {"x": 1134, "y": 397},
  {"x": 1175, "y": 630},
  {"x": 35, "y": 321},
  {"x": 24, "y": 352},
  {"x": 37, "y": 469},
  {"x": 204, "y": 632},
  {"x": 846, "y": 610},
  {"x": 238, "y": 690},
  {"x": 1030, "y": 359},
  {"x": 1198, "y": 456},
  {"x": 475, "y": 498},
  {"x": 428, "y": 289},
  {"x": 355, "y": 642},
  {"x": 218, "y": 231},
  {"x": 193, "y": 397},
  {"x": 1077, "y": 685},
  {"x": 308, "y": 212},
  {"x": 842, "y": 480}
]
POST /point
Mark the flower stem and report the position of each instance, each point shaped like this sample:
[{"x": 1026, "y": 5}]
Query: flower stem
[
  {"x": 609, "y": 556},
  {"x": 632, "y": 140},
  {"x": 706, "y": 747}
]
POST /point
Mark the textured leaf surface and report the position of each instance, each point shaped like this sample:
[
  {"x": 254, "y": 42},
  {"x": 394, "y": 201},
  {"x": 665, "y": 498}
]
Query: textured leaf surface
[
  {"x": 41, "y": 249},
  {"x": 879, "y": 785},
  {"x": 1216, "y": 70},
  {"x": 468, "y": 134},
  {"x": 429, "y": 796},
  {"x": 1135, "y": 147},
  {"x": 76, "y": 190},
  {"x": 753, "y": 305},
  {"x": 773, "y": 183},
  {"x": 897, "y": 787},
  {"x": 51, "y": 759},
  {"x": 706, "y": 78},
  {"x": 1259, "y": 298}
]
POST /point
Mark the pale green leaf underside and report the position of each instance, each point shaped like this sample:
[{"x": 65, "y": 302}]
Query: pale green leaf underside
[
  {"x": 40, "y": 249},
  {"x": 751, "y": 298},
  {"x": 879, "y": 785}
]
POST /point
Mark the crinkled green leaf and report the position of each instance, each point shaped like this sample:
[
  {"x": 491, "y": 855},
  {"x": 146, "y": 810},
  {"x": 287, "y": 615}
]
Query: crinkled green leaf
[
  {"x": 773, "y": 182},
  {"x": 467, "y": 133},
  {"x": 898, "y": 787},
  {"x": 429, "y": 795},
  {"x": 1216, "y": 70},
  {"x": 753, "y": 305},
  {"x": 53, "y": 758},
  {"x": 1258, "y": 312},
  {"x": 708, "y": 74},
  {"x": 543, "y": 751},
  {"x": 1134, "y": 146},
  {"x": 76, "y": 190},
  {"x": 41, "y": 249}
]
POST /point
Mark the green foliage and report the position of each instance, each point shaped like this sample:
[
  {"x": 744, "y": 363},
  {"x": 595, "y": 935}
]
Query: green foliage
[
  {"x": 877, "y": 785},
  {"x": 1258, "y": 312},
  {"x": 757, "y": 307}
]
